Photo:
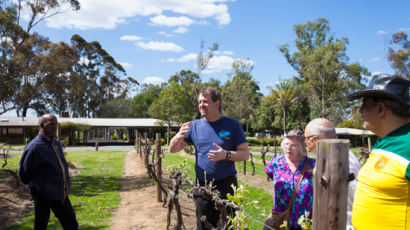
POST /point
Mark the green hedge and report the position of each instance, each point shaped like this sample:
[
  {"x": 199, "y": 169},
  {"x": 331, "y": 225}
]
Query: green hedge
[{"x": 264, "y": 141}]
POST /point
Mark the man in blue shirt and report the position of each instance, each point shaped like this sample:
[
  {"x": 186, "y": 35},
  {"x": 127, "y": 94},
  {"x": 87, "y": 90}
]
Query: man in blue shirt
[
  {"x": 218, "y": 141},
  {"x": 44, "y": 168}
]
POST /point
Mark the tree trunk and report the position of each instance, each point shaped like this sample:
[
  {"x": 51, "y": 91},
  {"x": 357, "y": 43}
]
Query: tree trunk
[
  {"x": 24, "y": 113},
  {"x": 168, "y": 130}
]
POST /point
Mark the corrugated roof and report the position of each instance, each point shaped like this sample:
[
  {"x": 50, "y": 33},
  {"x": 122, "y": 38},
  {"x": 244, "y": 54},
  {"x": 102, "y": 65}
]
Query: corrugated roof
[
  {"x": 350, "y": 131},
  {"x": 95, "y": 122}
]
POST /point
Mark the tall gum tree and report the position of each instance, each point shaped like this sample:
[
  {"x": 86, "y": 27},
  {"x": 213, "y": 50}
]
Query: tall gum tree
[
  {"x": 20, "y": 48},
  {"x": 322, "y": 66},
  {"x": 240, "y": 96},
  {"x": 399, "y": 54}
]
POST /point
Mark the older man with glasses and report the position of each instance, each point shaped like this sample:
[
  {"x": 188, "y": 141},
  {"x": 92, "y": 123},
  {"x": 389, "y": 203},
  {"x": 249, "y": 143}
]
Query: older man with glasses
[{"x": 321, "y": 128}]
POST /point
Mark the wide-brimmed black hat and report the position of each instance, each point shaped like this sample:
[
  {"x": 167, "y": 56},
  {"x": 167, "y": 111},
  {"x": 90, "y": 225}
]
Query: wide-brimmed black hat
[{"x": 385, "y": 86}]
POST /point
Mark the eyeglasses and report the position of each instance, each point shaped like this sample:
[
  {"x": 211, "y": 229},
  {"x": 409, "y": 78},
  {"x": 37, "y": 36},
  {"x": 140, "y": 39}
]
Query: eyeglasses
[{"x": 308, "y": 137}]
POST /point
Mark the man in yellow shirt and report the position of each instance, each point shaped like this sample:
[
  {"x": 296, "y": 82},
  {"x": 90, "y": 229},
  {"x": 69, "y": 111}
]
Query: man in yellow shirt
[{"x": 382, "y": 197}]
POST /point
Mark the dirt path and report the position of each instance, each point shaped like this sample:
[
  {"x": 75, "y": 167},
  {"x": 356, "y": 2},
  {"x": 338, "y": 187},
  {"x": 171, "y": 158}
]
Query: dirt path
[{"x": 139, "y": 208}]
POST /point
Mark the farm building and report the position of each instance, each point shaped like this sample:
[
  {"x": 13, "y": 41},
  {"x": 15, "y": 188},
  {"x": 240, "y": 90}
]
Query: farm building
[{"x": 20, "y": 130}]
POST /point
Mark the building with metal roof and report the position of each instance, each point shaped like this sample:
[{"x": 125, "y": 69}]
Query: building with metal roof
[{"x": 17, "y": 130}]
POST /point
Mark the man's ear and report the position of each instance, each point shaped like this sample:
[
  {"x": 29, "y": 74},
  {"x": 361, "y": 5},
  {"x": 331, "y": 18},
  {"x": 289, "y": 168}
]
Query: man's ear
[{"x": 381, "y": 109}]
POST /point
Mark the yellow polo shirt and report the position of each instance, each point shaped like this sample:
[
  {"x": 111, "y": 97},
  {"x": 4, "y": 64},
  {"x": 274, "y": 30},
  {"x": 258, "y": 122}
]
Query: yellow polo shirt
[{"x": 382, "y": 197}]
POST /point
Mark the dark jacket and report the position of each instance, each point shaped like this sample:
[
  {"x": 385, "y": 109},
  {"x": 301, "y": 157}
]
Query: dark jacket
[{"x": 41, "y": 169}]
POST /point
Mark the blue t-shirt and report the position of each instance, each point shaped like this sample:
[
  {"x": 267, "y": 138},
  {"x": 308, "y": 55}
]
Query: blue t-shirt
[{"x": 225, "y": 132}]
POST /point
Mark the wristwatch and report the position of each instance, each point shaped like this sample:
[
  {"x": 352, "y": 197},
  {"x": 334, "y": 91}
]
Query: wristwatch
[{"x": 228, "y": 155}]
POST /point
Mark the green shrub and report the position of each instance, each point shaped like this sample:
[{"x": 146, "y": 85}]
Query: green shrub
[
  {"x": 252, "y": 141},
  {"x": 67, "y": 130},
  {"x": 115, "y": 135},
  {"x": 189, "y": 149}
]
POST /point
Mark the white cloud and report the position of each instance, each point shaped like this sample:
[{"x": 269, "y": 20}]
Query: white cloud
[
  {"x": 217, "y": 52},
  {"x": 404, "y": 29},
  {"x": 108, "y": 14},
  {"x": 153, "y": 80},
  {"x": 125, "y": 64},
  {"x": 131, "y": 38},
  {"x": 223, "y": 63},
  {"x": 219, "y": 63},
  {"x": 376, "y": 59},
  {"x": 185, "y": 58},
  {"x": 160, "y": 46},
  {"x": 381, "y": 32},
  {"x": 181, "y": 30},
  {"x": 162, "y": 20},
  {"x": 165, "y": 34}
]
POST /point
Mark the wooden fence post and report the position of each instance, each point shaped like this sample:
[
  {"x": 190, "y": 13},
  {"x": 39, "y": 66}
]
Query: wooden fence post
[
  {"x": 140, "y": 144},
  {"x": 244, "y": 167},
  {"x": 158, "y": 166},
  {"x": 330, "y": 185}
]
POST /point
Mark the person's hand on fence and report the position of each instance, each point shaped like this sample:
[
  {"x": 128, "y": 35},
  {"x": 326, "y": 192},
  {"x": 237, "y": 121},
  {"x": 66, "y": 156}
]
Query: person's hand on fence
[{"x": 218, "y": 154}]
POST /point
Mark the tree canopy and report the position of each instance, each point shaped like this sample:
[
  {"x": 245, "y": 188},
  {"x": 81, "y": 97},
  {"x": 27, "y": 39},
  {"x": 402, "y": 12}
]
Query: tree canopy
[
  {"x": 399, "y": 54},
  {"x": 323, "y": 68}
]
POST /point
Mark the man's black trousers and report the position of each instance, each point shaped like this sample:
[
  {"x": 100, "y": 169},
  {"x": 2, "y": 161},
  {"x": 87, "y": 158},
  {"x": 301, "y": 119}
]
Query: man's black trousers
[
  {"x": 63, "y": 211},
  {"x": 205, "y": 206}
]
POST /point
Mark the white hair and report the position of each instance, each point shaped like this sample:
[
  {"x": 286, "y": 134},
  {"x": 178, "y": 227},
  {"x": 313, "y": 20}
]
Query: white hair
[{"x": 322, "y": 128}]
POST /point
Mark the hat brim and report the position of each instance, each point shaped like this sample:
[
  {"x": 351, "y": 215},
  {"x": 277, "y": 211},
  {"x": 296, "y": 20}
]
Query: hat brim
[{"x": 375, "y": 93}]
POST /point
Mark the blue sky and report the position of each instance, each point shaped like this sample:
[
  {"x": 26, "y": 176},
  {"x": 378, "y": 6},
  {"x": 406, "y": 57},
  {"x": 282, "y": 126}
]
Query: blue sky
[{"x": 154, "y": 39}]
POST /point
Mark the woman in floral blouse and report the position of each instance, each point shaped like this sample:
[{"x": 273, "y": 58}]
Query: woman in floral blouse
[{"x": 285, "y": 171}]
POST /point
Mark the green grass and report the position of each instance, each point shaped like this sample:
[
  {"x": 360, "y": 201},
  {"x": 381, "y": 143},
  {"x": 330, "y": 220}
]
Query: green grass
[
  {"x": 12, "y": 163},
  {"x": 264, "y": 198},
  {"x": 265, "y": 205},
  {"x": 259, "y": 168},
  {"x": 94, "y": 192}
]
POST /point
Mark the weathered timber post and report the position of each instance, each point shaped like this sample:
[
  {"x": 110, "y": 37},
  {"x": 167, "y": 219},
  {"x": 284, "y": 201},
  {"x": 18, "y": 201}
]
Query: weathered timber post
[
  {"x": 158, "y": 166},
  {"x": 96, "y": 146},
  {"x": 140, "y": 144},
  {"x": 330, "y": 184},
  {"x": 136, "y": 140}
]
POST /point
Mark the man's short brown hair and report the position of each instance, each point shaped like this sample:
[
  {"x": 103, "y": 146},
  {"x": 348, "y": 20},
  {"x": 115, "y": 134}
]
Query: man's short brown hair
[{"x": 215, "y": 95}]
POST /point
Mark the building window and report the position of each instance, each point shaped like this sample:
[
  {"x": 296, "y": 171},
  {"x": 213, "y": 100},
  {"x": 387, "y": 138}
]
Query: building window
[
  {"x": 4, "y": 131},
  {"x": 15, "y": 131}
]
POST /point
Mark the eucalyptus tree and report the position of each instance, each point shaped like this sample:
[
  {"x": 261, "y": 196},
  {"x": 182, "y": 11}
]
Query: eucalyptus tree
[
  {"x": 322, "y": 66},
  {"x": 399, "y": 54},
  {"x": 19, "y": 63},
  {"x": 142, "y": 101},
  {"x": 97, "y": 78},
  {"x": 191, "y": 81},
  {"x": 171, "y": 106},
  {"x": 264, "y": 115},
  {"x": 240, "y": 95}
]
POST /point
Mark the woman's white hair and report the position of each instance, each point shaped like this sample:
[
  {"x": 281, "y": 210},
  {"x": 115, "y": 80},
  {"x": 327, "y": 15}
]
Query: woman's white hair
[{"x": 299, "y": 136}]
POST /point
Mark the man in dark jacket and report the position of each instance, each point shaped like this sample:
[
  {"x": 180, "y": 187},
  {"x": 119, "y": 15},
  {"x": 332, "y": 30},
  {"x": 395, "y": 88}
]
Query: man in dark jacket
[{"x": 45, "y": 170}]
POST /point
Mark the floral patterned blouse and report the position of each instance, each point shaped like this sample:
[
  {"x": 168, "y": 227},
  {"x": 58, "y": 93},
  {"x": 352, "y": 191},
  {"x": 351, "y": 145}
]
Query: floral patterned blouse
[{"x": 284, "y": 181}]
